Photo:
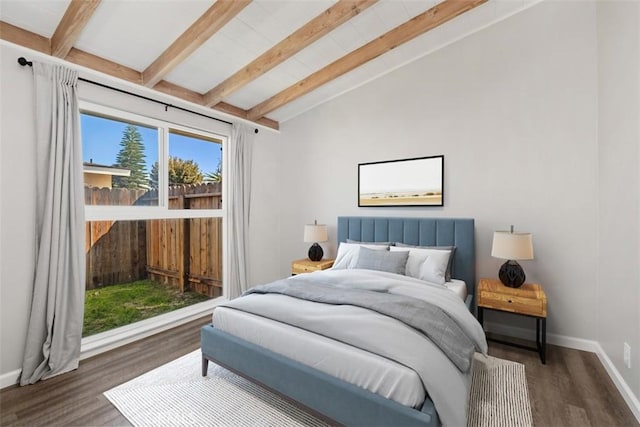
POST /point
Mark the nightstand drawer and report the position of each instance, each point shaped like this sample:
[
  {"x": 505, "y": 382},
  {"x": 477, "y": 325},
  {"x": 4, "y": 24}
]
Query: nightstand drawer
[
  {"x": 307, "y": 266},
  {"x": 303, "y": 268},
  {"x": 516, "y": 304}
]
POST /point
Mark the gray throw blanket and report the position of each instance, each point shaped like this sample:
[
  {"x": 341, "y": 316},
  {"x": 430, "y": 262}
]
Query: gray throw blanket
[{"x": 427, "y": 318}]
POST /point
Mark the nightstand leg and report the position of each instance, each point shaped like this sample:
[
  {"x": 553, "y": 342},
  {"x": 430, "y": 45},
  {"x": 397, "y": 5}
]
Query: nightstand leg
[{"x": 544, "y": 341}]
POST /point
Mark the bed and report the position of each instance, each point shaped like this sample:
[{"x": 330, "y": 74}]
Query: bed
[{"x": 243, "y": 351}]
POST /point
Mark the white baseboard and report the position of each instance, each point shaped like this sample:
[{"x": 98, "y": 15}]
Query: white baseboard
[
  {"x": 530, "y": 334},
  {"x": 621, "y": 384},
  {"x": 10, "y": 378},
  {"x": 577, "y": 344},
  {"x": 105, "y": 341}
]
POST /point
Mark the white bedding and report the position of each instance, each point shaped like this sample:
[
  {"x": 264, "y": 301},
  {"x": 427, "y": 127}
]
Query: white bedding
[
  {"x": 459, "y": 287},
  {"x": 390, "y": 339},
  {"x": 362, "y": 368}
]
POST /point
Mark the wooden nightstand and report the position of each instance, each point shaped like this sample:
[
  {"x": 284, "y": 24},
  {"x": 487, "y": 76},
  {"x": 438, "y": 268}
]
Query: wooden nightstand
[
  {"x": 527, "y": 300},
  {"x": 307, "y": 266}
]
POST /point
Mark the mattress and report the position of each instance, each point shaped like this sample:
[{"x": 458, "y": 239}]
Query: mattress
[
  {"x": 356, "y": 366},
  {"x": 359, "y": 367},
  {"x": 438, "y": 372},
  {"x": 459, "y": 287}
]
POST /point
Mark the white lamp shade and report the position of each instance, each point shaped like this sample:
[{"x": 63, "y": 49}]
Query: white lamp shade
[
  {"x": 315, "y": 233},
  {"x": 515, "y": 246}
]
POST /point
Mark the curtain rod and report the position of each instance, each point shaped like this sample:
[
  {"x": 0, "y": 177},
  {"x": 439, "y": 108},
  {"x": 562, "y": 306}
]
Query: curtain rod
[{"x": 23, "y": 61}]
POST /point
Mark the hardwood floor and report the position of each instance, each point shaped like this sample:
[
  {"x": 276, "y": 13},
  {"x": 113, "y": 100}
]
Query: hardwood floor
[
  {"x": 76, "y": 399},
  {"x": 572, "y": 389}
]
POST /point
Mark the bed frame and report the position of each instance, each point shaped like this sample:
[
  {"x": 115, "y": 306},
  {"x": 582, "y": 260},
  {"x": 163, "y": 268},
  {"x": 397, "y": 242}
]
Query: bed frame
[{"x": 319, "y": 393}]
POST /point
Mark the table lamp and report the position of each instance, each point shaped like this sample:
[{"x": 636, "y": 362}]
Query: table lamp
[
  {"x": 512, "y": 247},
  {"x": 315, "y": 233}
]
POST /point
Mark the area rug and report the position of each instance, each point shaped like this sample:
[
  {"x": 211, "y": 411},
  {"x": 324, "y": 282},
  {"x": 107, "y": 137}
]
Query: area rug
[{"x": 176, "y": 395}]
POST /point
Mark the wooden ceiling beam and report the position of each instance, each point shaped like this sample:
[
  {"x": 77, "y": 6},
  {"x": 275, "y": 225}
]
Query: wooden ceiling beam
[
  {"x": 216, "y": 17},
  {"x": 21, "y": 37},
  {"x": 36, "y": 42},
  {"x": 416, "y": 26},
  {"x": 195, "y": 97},
  {"x": 178, "y": 91},
  {"x": 71, "y": 25},
  {"x": 318, "y": 27},
  {"x": 105, "y": 66},
  {"x": 239, "y": 112}
]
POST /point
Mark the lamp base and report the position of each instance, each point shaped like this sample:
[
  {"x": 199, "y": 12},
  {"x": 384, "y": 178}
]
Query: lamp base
[
  {"x": 511, "y": 274},
  {"x": 315, "y": 252}
]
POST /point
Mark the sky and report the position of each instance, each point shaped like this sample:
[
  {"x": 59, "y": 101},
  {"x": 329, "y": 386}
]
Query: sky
[
  {"x": 409, "y": 175},
  {"x": 101, "y": 143}
]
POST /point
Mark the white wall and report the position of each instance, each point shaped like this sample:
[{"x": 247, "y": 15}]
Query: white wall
[
  {"x": 618, "y": 306},
  {"x": 17, "y": 188},
  {"x": 514, "y": 110},
  {"x": 265, "y": 224}
]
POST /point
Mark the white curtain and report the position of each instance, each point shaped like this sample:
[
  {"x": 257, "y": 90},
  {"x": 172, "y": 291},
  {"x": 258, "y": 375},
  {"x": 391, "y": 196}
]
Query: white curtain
[
  {"x": 239, "y": 199},
  {"x": 57, "y": 306}
]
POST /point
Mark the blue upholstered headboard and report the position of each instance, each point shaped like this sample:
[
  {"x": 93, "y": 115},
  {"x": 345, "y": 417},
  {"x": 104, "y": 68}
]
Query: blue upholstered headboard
[{"x": 458, "y": 232}]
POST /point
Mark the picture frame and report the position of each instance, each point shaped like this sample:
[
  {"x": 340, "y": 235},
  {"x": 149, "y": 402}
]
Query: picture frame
[{"x": 405, "y": 182}]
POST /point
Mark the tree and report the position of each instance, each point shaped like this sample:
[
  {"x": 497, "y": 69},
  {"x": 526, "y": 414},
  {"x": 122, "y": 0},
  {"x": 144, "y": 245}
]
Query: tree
[
  {"x": 180, "y": 172},
  {"x": 215, "y": 176},
  {"x": 131, "y": 156}
]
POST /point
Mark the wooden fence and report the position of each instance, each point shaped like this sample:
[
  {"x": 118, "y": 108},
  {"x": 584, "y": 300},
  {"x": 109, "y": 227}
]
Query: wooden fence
[{"x": 185, "y": 253}]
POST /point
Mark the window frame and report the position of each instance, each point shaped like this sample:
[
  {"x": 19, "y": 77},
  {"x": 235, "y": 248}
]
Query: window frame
[
  {"x": 104, "y": 341},
  {"x": 162, "y": 211}
]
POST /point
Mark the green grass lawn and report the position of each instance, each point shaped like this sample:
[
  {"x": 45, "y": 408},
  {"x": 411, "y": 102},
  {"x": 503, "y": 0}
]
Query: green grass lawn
[{"x": 117, "y": 305}]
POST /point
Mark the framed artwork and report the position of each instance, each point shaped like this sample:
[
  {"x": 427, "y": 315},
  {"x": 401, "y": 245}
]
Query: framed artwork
[{"x": 405, "y": 182}]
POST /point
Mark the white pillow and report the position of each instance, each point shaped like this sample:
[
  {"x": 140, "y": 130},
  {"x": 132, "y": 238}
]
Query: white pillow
[
  {"x": 348, "y": 254},
  {"x": 426, "y": 264}
]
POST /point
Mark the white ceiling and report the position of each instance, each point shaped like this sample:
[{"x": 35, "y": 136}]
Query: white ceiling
[{"x": 135, "y": 32}]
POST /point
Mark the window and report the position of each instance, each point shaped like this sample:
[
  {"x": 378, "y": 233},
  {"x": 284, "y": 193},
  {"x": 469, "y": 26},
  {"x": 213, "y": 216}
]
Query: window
[
  {"x": 154, "y": 215},
  {"x": 196, "y": 161},
  {"x": 115, "y": 156}
]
